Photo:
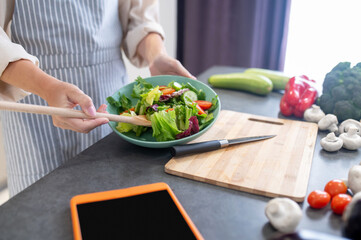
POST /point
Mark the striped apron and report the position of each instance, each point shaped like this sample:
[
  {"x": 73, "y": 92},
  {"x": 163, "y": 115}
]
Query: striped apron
[{"x": 77, "y": 42}]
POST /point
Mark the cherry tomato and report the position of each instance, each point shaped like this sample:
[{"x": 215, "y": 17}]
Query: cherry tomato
[
  {"x": 161, "y": 87},
  {"x": 131, "y": 109},
  {"x": 339, "y": 203},
  {"x": 167, "y": 90},
  {"x": 335, "y": 187},
  {"x": 318, "y": 199},
  {"x": 204, "y": 104},
  {"x": 200, "y": 110}
]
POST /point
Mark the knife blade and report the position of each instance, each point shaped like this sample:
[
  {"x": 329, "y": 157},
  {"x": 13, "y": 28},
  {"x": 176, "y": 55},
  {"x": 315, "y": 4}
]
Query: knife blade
[{"x": 213, "y": 145}]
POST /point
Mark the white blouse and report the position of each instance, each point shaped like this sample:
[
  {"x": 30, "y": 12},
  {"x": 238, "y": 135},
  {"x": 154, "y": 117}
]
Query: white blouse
[{"x": 138, "y": 18}]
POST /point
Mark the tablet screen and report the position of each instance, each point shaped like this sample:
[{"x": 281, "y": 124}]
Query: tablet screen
[{"x": 146, "y": 216}]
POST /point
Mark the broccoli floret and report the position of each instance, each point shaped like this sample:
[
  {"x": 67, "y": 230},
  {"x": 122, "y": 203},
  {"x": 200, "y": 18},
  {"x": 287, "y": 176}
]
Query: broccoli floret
[
  {"x": 326, "y": 103},
  {"x": 356, "y": 90},
  {"x": 343, "y": 110},
  {"x": 354, "y": 73},
  {"x": 358, "y": 66},
  {"x": 341, "y": 93},
  {"x": 346, "y": 110},
  {"x": 356, "y": 101},
  {"x": 332, "y": 80},
  {"x": 350, "y": 83},
  {"x": 342, "y": 66}
]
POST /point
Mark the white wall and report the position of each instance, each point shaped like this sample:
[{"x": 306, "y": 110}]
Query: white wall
[{"x": 168, "y": 19}]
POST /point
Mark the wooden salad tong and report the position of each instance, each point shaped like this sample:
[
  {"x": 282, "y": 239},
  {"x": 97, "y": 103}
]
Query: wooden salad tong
[{"x": 66, "y": 112}]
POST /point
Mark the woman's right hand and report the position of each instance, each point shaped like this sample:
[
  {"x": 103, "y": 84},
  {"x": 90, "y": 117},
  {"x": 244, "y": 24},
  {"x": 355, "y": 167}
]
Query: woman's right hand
[
  {"x": 67, "y": 95},
  {"x": 25, "y": 75}
]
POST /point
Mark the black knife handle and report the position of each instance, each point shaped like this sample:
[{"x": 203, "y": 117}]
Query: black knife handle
[{"x": 195, "y": 148}]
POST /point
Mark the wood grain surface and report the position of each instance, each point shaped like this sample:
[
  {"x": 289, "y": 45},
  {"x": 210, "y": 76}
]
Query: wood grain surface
[
  {"x": 67, "y": 112},
  {"x": 276, "y": 167}
]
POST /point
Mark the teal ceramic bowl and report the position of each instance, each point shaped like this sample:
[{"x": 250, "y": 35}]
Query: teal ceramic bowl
[{"x": 146, "y": 139}]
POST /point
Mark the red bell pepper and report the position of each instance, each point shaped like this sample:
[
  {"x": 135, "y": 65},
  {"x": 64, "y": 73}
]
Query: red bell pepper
[{"x": 300, "y": 94}]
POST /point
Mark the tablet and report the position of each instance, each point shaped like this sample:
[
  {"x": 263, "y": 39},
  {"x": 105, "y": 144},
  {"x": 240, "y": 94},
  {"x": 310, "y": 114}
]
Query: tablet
[{"x": 143, "y": 212}]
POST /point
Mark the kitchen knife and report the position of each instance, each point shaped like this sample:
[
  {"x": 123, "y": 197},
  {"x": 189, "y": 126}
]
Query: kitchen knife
[{"x": 213, "y": 145}]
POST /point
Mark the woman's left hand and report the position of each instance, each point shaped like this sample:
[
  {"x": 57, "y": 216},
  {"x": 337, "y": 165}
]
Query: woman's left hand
[
  {"x": 153, "y": 51},
  {"x": 166, "y": 65}
]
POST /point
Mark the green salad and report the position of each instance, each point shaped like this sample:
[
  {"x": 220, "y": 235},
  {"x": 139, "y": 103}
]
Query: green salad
[{"x": 175, "y": 111}]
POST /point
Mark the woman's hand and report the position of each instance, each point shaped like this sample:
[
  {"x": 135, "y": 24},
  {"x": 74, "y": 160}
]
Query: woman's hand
[
  {"x": 152, "y": 49},
  {"x": 24, "y": 74},
  {"x": 67, "y": 95},
  {"x": 166, "y": 65}
]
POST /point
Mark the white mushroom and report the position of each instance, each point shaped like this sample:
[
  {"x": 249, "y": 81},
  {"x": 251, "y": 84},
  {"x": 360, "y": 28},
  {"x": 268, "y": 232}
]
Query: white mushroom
[
  {"x": 354, "y": 179},
  {"x": 328, "y": 122},
  {"x": 284, "y": 214},
  {"x": 331, "y": 143},
  {"x": 347, "y": 213},
  {"x": 313, "y": 114},
  {"x": 351, "y": 140},
  {"x": 345, "y": 125}
]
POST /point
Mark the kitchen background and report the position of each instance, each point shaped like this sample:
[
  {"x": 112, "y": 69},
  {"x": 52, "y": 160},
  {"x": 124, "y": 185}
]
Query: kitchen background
[{"x": 319, "y": 34}]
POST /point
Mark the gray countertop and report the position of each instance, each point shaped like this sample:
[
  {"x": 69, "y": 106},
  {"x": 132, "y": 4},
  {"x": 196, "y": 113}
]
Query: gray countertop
[{"x": 42, "y": 210}]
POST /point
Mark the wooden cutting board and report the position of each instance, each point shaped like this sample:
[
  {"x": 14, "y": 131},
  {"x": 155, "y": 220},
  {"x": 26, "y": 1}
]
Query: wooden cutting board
[{"x": 277, "y": 167}]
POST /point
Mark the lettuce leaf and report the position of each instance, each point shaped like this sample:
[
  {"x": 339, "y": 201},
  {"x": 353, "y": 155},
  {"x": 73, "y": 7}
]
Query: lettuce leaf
[
  {"x": 192, "y": 129},
  {"x": 122, "y": 104},
  {"x": 152, "y": 96},
  {"x": 183, "y": 113},
  {"x": 164, "y": 126},
  {"x": 125, "y": 127},
  {"x": 206, "y": 121},
  {"x": 140, "y": 87},
  {"x": 214, "y": 104}
]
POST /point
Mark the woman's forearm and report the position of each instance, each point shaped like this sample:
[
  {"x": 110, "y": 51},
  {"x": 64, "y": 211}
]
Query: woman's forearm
[
  {"x": 153, "y": 51},
  {"x": 151, "y": 47},
  {"x": 25, "y": 75}
]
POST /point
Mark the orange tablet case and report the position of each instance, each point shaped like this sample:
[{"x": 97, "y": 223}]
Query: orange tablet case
[{"x": 121, "y": 193}]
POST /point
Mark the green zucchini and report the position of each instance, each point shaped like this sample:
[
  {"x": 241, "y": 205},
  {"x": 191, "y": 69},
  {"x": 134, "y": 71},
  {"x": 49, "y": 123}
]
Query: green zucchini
[
  {"x": 248, "y": 82},
  {"x": 279, "y": 79}
]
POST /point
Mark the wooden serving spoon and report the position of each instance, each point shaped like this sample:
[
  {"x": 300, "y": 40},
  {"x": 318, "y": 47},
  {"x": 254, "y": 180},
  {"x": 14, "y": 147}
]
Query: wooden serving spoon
[{"x": 66, "y": 112}]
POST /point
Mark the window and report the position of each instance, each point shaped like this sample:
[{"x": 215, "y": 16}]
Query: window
[{"x": 322, "y": 33}]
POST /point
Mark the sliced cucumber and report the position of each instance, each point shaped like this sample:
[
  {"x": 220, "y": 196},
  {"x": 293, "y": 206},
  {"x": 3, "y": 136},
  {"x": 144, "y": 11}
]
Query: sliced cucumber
[
  {"x": 189, "y": 97},
  {"x": 177, "y": 86}
]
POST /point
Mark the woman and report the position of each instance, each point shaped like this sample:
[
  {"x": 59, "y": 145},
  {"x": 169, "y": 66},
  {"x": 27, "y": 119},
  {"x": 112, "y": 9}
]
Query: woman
[{"x": 77, "y": 45}]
